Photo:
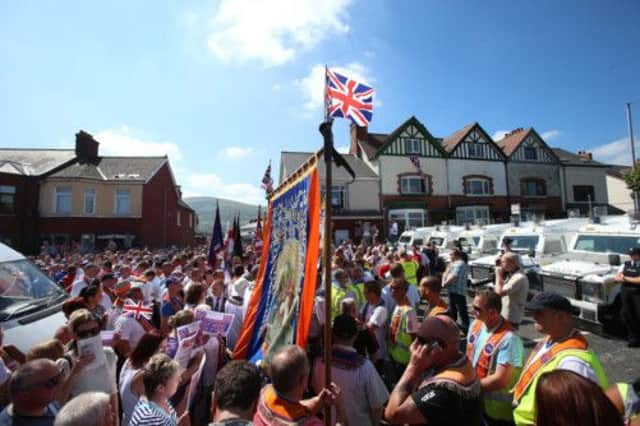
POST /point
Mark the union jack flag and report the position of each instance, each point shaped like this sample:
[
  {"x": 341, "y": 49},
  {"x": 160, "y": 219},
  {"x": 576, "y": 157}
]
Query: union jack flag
[
  {"x": 347, "y": 98},
  {"x": 267, "y": 181},
  {"x": 416, "y": 162},
  {"x": 139, "y": 311}
]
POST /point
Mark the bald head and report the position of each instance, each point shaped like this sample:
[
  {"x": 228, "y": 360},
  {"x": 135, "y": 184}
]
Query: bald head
[
  {"x": 440, "y": 328},
  {"x": 288, "y": 366}
]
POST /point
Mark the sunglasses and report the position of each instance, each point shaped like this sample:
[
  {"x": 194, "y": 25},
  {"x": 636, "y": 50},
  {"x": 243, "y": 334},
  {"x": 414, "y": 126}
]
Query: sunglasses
[{"x": 88, "y": 333}]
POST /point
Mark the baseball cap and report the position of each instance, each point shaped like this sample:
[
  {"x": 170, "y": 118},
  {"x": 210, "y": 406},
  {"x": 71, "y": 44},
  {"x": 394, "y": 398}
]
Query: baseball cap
[
  {"x": 548, "y": 300},
  {"x": 634, "y": 251}
]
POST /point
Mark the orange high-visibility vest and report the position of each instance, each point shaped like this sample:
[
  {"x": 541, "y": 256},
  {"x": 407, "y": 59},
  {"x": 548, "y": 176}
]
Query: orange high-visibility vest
[{"x": 489, "y": 350}]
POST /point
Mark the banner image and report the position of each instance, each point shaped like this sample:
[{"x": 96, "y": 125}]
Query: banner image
[{"x": 281, "y": 304}]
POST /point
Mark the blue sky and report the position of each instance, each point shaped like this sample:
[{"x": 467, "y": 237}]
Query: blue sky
[{"x": 224, "y": 86}]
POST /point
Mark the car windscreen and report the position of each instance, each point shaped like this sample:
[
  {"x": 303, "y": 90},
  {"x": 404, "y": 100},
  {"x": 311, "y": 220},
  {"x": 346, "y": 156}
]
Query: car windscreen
[
  {"x": 606, "y": 243},
  {"x": 523, "y": 242},
  {"x": 22, "y": 284}
]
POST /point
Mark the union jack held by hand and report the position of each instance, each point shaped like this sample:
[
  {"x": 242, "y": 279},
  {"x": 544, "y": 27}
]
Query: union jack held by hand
[{"x": 348, "y": 98}]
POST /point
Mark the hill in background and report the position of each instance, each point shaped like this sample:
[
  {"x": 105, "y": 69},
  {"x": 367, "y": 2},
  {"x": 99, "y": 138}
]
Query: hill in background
[{"x": 205, "y": 208}]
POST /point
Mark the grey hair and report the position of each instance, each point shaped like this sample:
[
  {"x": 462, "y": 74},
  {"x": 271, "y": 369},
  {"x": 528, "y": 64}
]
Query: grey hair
[
  {"x": 21, "y": 377},
  {"x": 86, "y": 409}
]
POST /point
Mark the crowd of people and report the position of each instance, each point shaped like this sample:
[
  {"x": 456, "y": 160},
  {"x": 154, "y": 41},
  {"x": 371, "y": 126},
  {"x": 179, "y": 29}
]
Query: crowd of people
[{"x": 404, "y": 348}]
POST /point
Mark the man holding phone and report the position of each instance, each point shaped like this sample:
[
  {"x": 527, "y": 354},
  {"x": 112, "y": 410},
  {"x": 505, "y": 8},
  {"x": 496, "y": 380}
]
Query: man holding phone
[{"x": 439, "y": 385}]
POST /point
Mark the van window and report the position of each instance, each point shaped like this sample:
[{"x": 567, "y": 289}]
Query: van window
[
  {"x": 418, "y": 241},
  {"x": 553, "y": 245}
]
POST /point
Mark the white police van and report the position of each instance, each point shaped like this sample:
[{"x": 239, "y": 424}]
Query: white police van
[{"x": 30, "y": 303}]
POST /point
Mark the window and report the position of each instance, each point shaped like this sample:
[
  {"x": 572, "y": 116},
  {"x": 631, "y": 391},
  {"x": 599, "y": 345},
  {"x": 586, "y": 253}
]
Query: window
[
  {"x": 477, "y": 186},
  {"x": 606, "y": 243},
  {"x": 89, "y": 204},
  {"x": 412, "y": 146},
  {"x": 412, "y": 185},
  {"x": 474, "y": 149},
  {"x": 122, "y": 202},
  {"x": 472, "y": 214},
  {"x": 533, "y": 187},
  {"x": 190, "y": 220},
  {"x": 63, "y": 200},
  {"x": 338, "y": 197},
  {"x": 530, "y": 153},
  {"x": 583, "y": 193},
  {"x": 179, "y": 217},
  {"x": 407, "y": 218},
  {"x": 7, "y": 199}
]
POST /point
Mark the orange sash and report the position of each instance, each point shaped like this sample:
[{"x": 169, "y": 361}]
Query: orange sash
[
  {"x": 439, "y": 309},
  {"x": 490, "y": 348},
  {"x": 279, "y": 411},
  {"x": 576, "y": 341}
]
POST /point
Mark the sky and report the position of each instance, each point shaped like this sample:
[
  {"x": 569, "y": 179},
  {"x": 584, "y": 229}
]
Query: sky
[{"x": 222, "y": 87}]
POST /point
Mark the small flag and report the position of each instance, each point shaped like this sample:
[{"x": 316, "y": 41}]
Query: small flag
[
  {"x": 347, "y": 98},
  {"x": 216, "y": 237},
  {"x": 267, "y": 181},
  {"x": 140, "y": 310},
  {"x": 415, "y": 160}
]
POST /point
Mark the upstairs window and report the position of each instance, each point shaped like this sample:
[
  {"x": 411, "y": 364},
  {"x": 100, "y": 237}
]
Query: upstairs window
[
  {"x": 63, "y": 200},
  {"x": 338, "y": 197},
  {"x": 583, "y": 193},
  {"x": 474, "y": 185},
  {"x": 89, "y": 202},
  {"x": 474, "y": 149},
  {"x": 533, "y": 187},
  {"x": 122, "y": 202},
  {"x": 412, "y": 185},
  {"x": 7, "y": 199},
  {"x": 530, "y": 153},
  {"x": 412, "y": 146}
]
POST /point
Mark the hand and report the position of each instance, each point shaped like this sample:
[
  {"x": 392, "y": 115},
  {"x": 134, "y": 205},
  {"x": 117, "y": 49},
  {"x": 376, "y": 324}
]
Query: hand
[
  {"x": 422, "y": 356},
  {"x": 619, "y": 277},
  {"x": 184, "y": 419}
]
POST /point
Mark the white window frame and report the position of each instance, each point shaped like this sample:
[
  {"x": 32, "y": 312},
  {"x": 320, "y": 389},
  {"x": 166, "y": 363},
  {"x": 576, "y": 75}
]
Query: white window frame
[
  {"x": 412, "y": 146},
  {"x": 117, "y": 194},
  {"x": 405, "y": 188},
  {"x": 87, "y": 193},
  {"x": 402, "y": 215},
  {"x": 341, "y": 190},
  {"x": 486, "y": 187},
  {"x": 473, "y": 215},
  {"x": 56, "y": 206}
]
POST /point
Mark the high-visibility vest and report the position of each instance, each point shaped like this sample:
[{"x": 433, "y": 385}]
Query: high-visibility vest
[
  {"x": 400, "y": 337},
  {"x": 338, "y": 294},
  {"x": 273, "y": 410},
  {"x": 498, "y": 403},
  {"x": 358, "y": 292},
  {"x": 439, "y": 309},
  {"x": 410, "y": 271},
  {"x": 630, "y": 400},
  {"x": 525, "y": 389}
]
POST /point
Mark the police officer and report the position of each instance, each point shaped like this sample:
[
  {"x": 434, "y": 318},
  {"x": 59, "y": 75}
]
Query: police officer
[{"x": 629, "y": 276}]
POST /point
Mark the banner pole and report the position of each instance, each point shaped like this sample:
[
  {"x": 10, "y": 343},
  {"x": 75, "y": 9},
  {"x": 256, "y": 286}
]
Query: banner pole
[{"x": 325, "y": 130}]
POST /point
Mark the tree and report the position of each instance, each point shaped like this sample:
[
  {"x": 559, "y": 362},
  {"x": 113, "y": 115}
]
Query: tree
[{"x": 632, "y": 179}]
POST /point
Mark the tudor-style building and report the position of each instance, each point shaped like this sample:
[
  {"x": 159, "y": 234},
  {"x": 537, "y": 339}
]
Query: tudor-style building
[
  {"x": 534, "y": 173},
  {"x": 413, "y": 195},
  {"x": 476, "y": 177}
]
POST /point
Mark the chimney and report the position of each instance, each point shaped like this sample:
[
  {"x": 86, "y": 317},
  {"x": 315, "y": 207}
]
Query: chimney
[
  {"x": 585, "y": 155},
  {"x": 357, "y": 133},
  {"x": 179, "y": 189},
  {"x": 86, "y": 147}
]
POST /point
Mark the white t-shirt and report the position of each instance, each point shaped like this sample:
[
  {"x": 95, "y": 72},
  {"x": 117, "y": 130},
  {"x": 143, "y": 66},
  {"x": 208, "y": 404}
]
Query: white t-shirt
[
  {"x": 238, "y": 287},
  {"x": 106, "y": 302},
  {"x": 77, "y": 287},
  {"x": 129, "y": 329},
  {"x": 97, "y": 379},
  {"x": 363, "y": 385},
  {"x": 156, "y": 289},
  {"x": 376, "y": 317}
]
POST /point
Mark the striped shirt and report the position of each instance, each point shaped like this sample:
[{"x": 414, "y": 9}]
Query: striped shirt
[{"x": 148, "y": 413}]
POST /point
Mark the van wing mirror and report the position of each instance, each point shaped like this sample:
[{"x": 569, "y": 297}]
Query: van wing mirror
[
  {"x": 532, "y": 253},
  {"x": 614, "y": 259}
]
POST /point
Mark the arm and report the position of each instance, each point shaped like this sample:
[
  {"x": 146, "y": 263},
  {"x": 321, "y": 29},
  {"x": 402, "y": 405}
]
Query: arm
[
  {"x": 631, "y": 280},
  {"x": 499, "y": 283},
  {"x": 499, "y": 379},
  {"x": 115, "y": 408}
]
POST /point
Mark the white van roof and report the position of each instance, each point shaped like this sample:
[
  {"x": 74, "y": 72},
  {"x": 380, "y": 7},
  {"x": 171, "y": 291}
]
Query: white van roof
[{"x": 7, "y": 254}]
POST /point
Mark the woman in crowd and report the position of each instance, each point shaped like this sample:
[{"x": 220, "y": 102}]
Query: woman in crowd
[
  {"x": 161, "y": 379},
  {"x": 195, "y": 297},
  {"x": 93, "y": 378},
  {"x": 130, "y": 381},
  {"x": 566, "y": 398},
  {"x": 92, "y": 296}
]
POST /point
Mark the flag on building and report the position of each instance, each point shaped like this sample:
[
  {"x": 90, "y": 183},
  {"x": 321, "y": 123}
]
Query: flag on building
[
  {"x": 415, "y": 160},
  {"x": 267, "y": 181},
  {"x": 257, "y": 237},
  {"x": 216, "y": 237},
  {"x": 348, "y": 98}
]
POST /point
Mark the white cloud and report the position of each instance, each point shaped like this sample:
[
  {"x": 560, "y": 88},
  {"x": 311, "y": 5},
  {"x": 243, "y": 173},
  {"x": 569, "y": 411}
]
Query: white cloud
[
  {"x": 550, "y": 135},
  {"x": 312, "y": 85},
  {"x": 121, "y": 142},
  {"x": 616, "y": 152},
  {"x": 237, "y": 151},
  {"x": 213, "y": 185},
  {"x": 343, "y": 149},
  {"x": 272, "y": 32},
  {"x": 499, "y": 135}
]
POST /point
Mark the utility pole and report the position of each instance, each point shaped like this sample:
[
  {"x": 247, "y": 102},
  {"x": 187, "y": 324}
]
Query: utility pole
[{"x": 633, "y": 155}]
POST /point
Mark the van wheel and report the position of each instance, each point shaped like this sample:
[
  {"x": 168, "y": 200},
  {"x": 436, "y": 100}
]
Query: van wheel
[{"x": 611, "y": 319}]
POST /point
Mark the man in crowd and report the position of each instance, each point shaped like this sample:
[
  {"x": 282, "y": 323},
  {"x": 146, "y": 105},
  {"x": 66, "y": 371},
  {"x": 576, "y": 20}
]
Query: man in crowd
[
  {"x": 496, "y": 353},
  {"x": 33, "y": 389},
  {"x": 172, "y": 302},
  {"x": 238, "y": 282},
  {"x": 354, "y": 374},
  {"x": 409, "y": 266},
  {"x": 629, "y": 276},
  {"x": 402, "y": 326},
  {"x": 455, "y": 281},
  {"x": 341, "y": 290},
  {"x": 513, "y": 286},
  {"x": 90, "y": 272},
  {"x": 235, "y": 395},
  {"x": 374, "y": 315},
  {"x": 282, "y": 403},
  {"x": 91, "y": 408},
  {"x": 450, "y": 394},
  {"x": 429, "y": 289},
  {"x": 563, "y": 347}
]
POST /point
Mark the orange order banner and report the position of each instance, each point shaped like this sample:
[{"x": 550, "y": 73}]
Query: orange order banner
[{"x": 282, "y": 300}]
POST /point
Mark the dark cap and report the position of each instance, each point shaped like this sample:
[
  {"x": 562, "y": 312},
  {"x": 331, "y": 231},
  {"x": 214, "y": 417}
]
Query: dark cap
[
  {"x": 344, "y": 326},
  {"x": 507, "y": 241},
  {"x": 634, "y": 251},
  {"x": 547, "y": 300}
]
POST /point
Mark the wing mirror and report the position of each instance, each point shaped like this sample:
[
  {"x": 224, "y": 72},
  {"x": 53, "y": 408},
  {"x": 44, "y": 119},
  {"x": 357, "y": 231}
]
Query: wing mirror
[
  {"x": 532, "y": 253},
  {"x": 614, "y": 259}
]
